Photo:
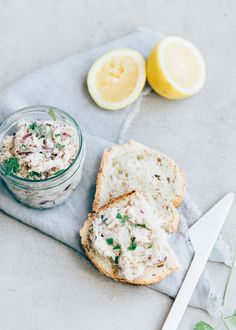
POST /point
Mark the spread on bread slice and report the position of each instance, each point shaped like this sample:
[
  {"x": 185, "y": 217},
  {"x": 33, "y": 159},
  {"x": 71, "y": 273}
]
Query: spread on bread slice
[
  {"x": 134, "y": 166},
  {"x": 124, "y": 241}
]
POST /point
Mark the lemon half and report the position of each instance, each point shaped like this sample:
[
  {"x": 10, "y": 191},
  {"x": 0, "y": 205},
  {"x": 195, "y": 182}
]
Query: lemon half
[
  {"x": 175, "y": 68},
  {"x": 117, "y": 78}
]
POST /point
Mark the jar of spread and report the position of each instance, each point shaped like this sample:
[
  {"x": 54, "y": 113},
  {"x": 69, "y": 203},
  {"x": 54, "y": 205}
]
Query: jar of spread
[{"x": 41, "y": 155}]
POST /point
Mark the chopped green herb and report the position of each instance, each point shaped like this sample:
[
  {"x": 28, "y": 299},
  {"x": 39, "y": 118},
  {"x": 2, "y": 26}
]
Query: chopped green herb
[
  {"x": 133, "y": 244},
  {"x": 109, "y": 241},
  {"x": 12, "y": 165},
  {"x": 150, "y": 246},
  {"x": 59, "y": 172},
  {"x": 116, "y": 247},
  {"x": 42, "y": 137},
  {"x": 35, "y": 128},
  {"x": 23, "y": 146},
  {"x": 56, "y": 135},
  {"x": 60, "y": 146},
  {"x": 103, "y": 218},
  {"x": 141, "y": 225},
  {"x": 52, "y": 114},
  {"x": 33, "y": 173},
  {"x": 116, "y": 259},
  {"x": 32, "y": 126},
  {"x": 124, "y": 219}
]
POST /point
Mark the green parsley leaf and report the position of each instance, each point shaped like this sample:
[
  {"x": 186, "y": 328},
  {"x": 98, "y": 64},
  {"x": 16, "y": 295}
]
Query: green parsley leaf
[
  {"x": 34, "y": 173},
  {"x": 233, "y": 318},
  {"x": 124, "y": 219},
  {"x": 59, "y": 146},
  {"x": 52, "y": 114},
  {"x": 116, "y": 247},
  {"x": 32, "y": 126},
  {"x": 56, "y": 135},
  {"x": 133, "y": 244},
  {"x": 150, "y": 246},
  {"x": 203, "y": 326},
  {"x": 109, "y": 241},
  {"x": 116, "y": 259},
  {"x": 35, "y": 128},
  {"x": 59, "y": 172},
  {"x": 12, "y": 165}
]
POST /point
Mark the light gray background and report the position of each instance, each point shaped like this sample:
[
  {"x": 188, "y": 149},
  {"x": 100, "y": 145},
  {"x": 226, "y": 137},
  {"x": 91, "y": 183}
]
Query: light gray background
[{"x": 45, "y": 285}]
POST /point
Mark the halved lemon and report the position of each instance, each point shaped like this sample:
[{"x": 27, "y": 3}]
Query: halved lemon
[
  {"x": 175, "y": 68},
  {"x": 117, "y": 78}
]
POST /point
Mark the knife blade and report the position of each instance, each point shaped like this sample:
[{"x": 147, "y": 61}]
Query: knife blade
[{"x": 203, "y": 235}]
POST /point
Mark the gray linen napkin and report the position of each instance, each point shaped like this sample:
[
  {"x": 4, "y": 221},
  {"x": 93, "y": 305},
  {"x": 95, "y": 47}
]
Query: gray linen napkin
[{"x": 63, "y": 85}]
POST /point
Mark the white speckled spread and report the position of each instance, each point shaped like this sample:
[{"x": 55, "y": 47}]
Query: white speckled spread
[
  {"x": 42, "y": 148},
  {"x": 131, "y": 236}
]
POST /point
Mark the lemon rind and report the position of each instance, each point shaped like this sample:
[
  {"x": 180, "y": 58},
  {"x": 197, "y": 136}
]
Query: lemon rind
[{"x": 161, "y": 81}]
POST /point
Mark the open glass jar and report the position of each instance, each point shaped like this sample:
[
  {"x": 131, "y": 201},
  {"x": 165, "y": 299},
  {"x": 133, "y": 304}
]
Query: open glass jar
[{"x": 53, "y": 190}]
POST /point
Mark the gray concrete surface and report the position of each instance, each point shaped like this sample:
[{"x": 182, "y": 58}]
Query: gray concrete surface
[{"x": 45, "y": 285}]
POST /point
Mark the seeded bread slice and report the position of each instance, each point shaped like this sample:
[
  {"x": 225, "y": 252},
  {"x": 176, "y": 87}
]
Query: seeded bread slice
[
  {"x": 127, "y": 204},
  {"x": 134, "y": 166}
]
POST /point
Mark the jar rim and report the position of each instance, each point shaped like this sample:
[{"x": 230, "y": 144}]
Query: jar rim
[{"x": 43, "y": 109}]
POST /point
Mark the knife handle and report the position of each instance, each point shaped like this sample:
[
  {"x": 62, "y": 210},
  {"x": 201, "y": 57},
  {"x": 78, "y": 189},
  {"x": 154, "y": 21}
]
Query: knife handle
[{"x": 184, "y": 295}]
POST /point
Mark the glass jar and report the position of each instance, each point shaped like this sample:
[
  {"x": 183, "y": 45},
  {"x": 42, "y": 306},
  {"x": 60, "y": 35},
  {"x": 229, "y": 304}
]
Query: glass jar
[{"x": 43, "y": 193}]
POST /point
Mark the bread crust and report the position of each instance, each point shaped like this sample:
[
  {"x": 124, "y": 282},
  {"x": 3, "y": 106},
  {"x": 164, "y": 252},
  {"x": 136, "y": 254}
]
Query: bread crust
[
  {"x": 174, "y": 226},
  {"x": 101, "y": 174},
  {"x": 100, "y": 178},
  {"x": 97, "y": 260}
]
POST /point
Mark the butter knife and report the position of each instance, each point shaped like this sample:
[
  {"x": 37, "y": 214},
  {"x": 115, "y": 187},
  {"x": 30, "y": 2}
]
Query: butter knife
[{"x": 203, "y": 235}]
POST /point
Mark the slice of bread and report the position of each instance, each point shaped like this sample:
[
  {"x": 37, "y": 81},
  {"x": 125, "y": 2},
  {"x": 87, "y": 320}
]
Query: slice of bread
[
  {"x": 125, "y": 242},
  {"x": 134, "y": 166}
]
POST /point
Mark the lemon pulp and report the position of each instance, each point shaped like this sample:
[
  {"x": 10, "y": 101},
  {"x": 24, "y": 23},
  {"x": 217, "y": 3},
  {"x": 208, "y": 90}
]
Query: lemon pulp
[
  {"x": 182, "y": 66},
  {"x": 117, "y": 78}
]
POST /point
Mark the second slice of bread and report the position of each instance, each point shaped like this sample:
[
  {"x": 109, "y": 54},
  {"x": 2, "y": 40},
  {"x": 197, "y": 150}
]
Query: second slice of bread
[{"x": 134, "y": 166}]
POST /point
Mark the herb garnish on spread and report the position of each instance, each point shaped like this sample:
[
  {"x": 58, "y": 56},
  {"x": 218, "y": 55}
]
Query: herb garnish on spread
[
  {"x": 131, "y": 239},
  {"x": 39, "y": 149}
]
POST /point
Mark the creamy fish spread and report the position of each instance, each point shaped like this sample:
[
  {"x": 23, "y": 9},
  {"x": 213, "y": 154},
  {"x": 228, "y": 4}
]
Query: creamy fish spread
[
  {"x": 39, "y": 149},
  {"x": 132, "y": 238}
]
